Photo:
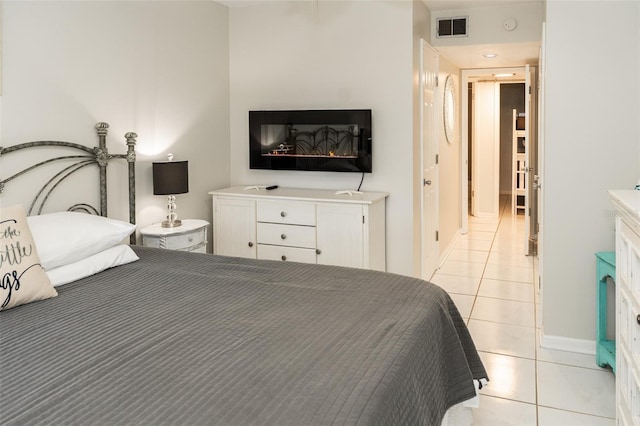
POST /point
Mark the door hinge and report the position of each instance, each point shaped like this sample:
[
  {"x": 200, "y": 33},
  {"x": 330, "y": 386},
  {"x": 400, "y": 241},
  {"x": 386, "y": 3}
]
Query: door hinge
[
  {"x": 437, "y": 235},
  {"x": 437, "y": 158},
  {"x": 437, "y": 81},
  {"x": 539, "y": 283}
]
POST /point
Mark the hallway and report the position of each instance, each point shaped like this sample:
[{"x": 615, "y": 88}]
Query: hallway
[{"x": 492, "y": 283}]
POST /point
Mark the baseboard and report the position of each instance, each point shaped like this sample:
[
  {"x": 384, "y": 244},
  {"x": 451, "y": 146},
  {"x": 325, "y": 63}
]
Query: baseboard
[
  {"x": 568, "y": 344},
  {"x": 449, "y": 248},
  {"x": 487, "y": 215}
]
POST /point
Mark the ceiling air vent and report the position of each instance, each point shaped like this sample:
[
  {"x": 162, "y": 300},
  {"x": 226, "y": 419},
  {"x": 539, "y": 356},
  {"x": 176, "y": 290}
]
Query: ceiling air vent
[{"x": 452, "y": 27}]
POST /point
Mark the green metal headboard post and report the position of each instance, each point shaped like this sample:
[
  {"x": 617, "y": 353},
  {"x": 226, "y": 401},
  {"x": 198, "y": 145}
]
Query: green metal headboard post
[
  {"x": 131, "y": 159},
  {"x": 102, "y": 158}
]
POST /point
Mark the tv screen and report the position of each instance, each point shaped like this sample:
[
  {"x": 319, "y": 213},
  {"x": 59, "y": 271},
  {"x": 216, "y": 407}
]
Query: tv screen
[{"x": 318, "y": 140}]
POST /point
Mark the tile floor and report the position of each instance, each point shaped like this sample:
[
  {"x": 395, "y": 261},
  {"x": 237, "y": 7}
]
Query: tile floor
[{"x": 491, "y": 281}]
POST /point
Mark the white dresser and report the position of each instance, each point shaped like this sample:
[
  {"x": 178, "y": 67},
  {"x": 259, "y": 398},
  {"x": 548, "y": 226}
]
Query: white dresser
[
  {"x": 301, "y": 225},
  {"x": 190, "y": 236},
  {"x": 627, "y": 204}
]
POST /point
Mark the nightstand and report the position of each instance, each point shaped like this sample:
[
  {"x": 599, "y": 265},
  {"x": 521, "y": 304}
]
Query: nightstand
[{"x": 191, "y": 236}]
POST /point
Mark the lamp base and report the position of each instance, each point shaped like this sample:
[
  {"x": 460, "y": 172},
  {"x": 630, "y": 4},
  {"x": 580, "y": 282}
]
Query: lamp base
[{"x": 171, "y": 224}]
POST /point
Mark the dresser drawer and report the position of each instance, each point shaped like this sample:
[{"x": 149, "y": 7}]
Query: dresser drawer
[
  {"x": 291, "y": 254},
  {"x": 296, "y": 213},
  {"x": 200, "y": 248},
  {"x": 185, "y": 241},
  {"x": 287, "y": 235}
]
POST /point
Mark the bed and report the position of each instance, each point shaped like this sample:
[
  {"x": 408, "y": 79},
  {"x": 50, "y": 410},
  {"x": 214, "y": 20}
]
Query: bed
[{"x": 169, "y": 337}]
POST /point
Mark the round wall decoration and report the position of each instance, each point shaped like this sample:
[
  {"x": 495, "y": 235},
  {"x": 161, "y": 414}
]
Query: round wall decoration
[{"x": 450, "y": 109}]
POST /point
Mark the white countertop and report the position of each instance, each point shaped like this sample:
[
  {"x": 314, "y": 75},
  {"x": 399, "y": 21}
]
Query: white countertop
[
  {"x": 627, "y": 201},
  {"x": 303, "y": 194}
]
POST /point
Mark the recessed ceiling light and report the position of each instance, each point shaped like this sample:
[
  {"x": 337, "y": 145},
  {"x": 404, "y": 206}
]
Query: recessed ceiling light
[
  {"x": 506, "y": 74},
  {"x": 489, "y": 55}
]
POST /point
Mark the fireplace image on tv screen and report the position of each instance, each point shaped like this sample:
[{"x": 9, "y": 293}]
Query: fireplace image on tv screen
[{"x": 319, "y": 140}]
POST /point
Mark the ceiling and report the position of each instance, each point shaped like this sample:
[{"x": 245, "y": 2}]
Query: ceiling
[
  {"x": 508, "y": 55},
  {"x": 470, "y": 57},
  {"x": 436, "y": 5}
]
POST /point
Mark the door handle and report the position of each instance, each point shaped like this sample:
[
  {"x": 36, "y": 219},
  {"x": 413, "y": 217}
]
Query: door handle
[
  {"x": 426, "y": 181},
  {"x": 536, "y": 182}
]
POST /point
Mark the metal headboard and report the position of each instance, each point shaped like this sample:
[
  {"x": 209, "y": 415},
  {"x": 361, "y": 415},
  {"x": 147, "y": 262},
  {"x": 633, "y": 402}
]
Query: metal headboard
[{"x": 98, "y": 155}]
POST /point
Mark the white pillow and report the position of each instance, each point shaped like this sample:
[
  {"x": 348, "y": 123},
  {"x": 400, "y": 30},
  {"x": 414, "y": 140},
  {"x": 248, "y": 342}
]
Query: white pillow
[
  {"x": 120, "y": 254},
  {"x": 66, "y": 237}
]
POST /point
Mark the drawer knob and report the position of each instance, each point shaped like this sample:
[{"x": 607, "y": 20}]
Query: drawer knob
[
  {"x": 284, "y": 257},
  {"x": 190, "y": 239},
  {"x": 283, "y": 236},
  {"x": 318, "y": 251},
  {"x": 250, "y": 244},
  {"x": 283, "y": 214}
]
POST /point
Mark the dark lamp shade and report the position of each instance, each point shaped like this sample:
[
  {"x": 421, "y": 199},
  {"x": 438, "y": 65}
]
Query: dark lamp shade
[{"x": 170, "y": 178}]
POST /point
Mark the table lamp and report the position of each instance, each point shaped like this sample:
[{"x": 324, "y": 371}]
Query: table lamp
[{"x": 171, "y": 178}]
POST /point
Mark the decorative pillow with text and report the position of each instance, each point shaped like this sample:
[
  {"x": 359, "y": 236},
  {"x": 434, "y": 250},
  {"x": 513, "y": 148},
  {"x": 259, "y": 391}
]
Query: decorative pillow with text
[{"x": 23, "y": 278}]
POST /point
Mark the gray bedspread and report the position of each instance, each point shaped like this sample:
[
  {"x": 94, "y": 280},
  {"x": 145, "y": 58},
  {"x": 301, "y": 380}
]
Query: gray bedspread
[{"x": 191, "y": 339}]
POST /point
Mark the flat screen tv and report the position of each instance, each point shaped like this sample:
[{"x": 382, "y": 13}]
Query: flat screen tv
[{"x": 319, "y": 140}]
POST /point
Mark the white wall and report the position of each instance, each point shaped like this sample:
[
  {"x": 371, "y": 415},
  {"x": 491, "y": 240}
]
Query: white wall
[
  {"x": 347, "y": 54},
  {"x": 450, "y": 186},
  {"x": 157, "y": 68},
  {"x": 592, "y": 144},
  {"x": 486, "y": 149}
]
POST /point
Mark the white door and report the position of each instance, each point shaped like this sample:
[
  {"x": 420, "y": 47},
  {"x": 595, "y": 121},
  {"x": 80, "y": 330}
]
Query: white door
[
  {"x": 539, "y": 174},
  {"x": 429, "y": 144},
  {"x": 340, "y": 235},
  {"x": 486, "y": 150},
  {"x": 234, "y": 227},
  {"x": 531, "y": 160}
]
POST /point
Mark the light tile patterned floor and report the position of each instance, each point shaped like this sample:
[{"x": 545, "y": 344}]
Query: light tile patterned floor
[{"x": 492, "y": 282}]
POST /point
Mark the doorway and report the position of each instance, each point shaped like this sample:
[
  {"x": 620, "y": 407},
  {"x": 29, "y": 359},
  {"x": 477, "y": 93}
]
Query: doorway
[{"x": 492, "y": 134}]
